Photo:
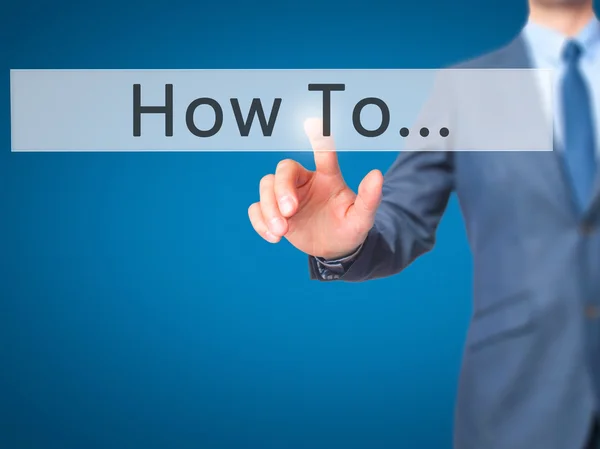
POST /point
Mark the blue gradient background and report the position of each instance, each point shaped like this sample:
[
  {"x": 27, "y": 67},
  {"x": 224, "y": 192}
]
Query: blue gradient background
[{"x": 139, "y": 310}]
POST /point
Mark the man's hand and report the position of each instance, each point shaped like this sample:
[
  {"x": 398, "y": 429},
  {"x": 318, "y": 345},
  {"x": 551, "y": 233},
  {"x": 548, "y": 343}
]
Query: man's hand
[{"x": 316, "y": 211}]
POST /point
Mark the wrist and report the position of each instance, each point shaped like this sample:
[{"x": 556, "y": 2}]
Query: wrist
[{"x": 341, "y": 256}]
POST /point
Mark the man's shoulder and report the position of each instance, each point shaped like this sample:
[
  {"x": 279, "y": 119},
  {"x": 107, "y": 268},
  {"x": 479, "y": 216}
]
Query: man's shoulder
[{"x": 512, "y": 55}]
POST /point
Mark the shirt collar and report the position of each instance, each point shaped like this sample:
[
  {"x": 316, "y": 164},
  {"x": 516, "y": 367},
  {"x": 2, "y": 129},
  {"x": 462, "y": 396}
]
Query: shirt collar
[{"x": 546, "y": 44}]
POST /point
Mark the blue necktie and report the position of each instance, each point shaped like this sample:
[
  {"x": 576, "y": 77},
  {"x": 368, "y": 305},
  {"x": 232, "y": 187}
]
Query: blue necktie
[{"x": 579, "y": 146}]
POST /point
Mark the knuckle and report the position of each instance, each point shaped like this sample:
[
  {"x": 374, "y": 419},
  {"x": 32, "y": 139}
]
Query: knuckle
[
  {"x": 253, "y": 212},
  {"x": 266, "y": 181},
  {"x": 285, "y": 164}
]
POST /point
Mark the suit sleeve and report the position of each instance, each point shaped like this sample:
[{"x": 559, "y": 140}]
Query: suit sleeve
[{"x": 416, "y": 190}]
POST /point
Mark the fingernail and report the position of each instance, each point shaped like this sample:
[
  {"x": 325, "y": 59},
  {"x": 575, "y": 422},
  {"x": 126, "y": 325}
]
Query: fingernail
[
  {"x": 271, "y": 238},
  {"x": 286, "y": 205},
  {"x": 277, "y": 226}
]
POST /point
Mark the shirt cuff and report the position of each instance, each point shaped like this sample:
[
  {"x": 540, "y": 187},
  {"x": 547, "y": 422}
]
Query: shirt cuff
[{"x": 331, "y": 269}]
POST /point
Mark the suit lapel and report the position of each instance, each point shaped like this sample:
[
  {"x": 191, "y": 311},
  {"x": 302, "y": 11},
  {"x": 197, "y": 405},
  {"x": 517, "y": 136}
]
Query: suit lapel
[{"x": 551, "y": 166}]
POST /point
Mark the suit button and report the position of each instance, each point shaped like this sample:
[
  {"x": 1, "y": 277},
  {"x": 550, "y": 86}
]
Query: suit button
[{"x": 592, "y": 312}]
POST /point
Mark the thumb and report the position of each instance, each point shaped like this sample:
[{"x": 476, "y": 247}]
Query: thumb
[
  {"x": 367, "y": 201},
  {"x": 326, "y": 160}
]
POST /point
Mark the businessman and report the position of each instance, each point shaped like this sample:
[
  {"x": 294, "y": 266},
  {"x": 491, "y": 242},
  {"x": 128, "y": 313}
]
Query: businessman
[{"x": 531, "y": 368}]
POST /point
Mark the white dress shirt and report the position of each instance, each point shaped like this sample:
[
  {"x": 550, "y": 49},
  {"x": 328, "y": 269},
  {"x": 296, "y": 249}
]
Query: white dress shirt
[{"x": 545, "y": 49}]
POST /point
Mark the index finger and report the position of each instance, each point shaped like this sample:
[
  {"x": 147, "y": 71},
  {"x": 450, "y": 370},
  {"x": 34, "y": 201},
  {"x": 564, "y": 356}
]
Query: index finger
[{"x": 323, "y": 146}]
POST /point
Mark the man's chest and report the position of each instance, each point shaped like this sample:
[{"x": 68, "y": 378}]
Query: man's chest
[{"x": 516, "y": 187}]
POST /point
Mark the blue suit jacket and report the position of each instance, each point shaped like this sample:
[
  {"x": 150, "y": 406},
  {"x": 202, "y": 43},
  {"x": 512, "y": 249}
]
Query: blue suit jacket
[{"x": 528, "y": 376}]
